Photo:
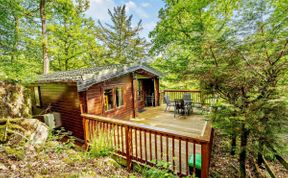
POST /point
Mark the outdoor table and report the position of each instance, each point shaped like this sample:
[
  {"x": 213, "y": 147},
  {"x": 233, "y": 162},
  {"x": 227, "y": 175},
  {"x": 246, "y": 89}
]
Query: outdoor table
[{"x": 182, "y": 106}]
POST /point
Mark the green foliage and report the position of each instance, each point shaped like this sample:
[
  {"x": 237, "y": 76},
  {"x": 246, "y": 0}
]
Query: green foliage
[
  {"x": 101, "y": 145},
  {"x": 72, "y": 41},
  {"x": 121, "y": 39},
  {"x": 237, "y": 50},
  {"x": 59, "y": 136},
  {"x": 10, "y": 128},
  {"x": 19, "y": 59},
  {"x": 161, "y": 170},
  {"x": 17, "y": 153}
]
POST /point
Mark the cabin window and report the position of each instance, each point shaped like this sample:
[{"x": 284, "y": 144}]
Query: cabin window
[
  {"x": 108, "y": 99},
  {"x": 37, "y": 96},
  {"x": 119, "y": 97}
]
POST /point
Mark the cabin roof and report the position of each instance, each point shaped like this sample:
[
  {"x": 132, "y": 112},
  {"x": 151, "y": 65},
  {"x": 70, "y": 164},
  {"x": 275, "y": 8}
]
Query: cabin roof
[{"x": 90, "y": 76}]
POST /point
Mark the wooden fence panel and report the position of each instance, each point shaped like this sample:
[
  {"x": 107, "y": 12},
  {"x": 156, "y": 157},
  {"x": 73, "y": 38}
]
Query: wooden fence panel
[
  {"x": 147, "y": 145},
  {"x": 196, "y": 95}
]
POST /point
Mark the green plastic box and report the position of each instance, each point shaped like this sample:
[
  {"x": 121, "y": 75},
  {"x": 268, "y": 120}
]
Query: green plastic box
[{"x": 198, "y": 161}]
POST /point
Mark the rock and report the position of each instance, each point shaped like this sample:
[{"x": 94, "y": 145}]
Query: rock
[
  {"x": 37, "y": 132},
  {"x": 111, "y": 162},
  {"x": 13, "y": 167},
  {"x": 3, "y": 167}
]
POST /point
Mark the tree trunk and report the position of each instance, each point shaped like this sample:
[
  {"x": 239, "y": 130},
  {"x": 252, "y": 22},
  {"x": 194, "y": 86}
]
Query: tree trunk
[
  {"x": 259, "y": 156},
  {"x": 44, "y": 37},
  {"x": 243, "y": 151},
  {"x": 233, "y": 144}
]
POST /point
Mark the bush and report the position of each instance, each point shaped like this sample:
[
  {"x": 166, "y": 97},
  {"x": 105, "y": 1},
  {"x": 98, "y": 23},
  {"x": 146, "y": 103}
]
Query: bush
[
  {"x": 101, "y": 145},
  {"x": 161, "y": 170},
  {"x": 56, "y": 136}
]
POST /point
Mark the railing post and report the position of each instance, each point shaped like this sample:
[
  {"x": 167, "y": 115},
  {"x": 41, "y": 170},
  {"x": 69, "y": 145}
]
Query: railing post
[
  {"x": 129, "y": 152},
  {"x": 86, "y": 131},
  {"x": 205, "y": 160},
  {"x": 163, "y": 95}
]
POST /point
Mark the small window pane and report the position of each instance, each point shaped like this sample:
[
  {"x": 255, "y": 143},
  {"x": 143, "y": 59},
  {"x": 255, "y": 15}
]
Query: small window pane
[
  {"x": 119, "y": 97},
  {"x": 37, "y": 96},
  {"x": 108, "y": 99}
]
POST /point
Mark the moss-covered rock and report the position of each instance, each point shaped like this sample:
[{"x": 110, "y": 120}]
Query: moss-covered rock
[
  {"x": 17, "y": 153},
  {"x": 16, "y": 102}
]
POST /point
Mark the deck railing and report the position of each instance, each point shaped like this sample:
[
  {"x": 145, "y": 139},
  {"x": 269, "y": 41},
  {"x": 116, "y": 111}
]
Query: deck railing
[
  {"x": 197, "y": 96},
  {"x": 146, "y": 144}
]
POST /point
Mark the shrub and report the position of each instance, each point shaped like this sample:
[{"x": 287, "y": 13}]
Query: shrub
[
  {"x": 161, "y": 170},
  {"x": 101, "y": 145}
]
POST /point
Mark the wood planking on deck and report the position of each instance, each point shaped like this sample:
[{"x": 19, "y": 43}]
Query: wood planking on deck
[
  {"x": 155, "y": 116},
  {"x": 192, "y": 125}
]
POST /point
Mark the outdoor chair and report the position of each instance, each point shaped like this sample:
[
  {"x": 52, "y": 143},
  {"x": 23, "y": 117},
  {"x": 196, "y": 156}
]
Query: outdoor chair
[
  {"x": 179, "y": 107},
  {"x": 188, "y": 103},
  {"x": 168, "y": 103}
]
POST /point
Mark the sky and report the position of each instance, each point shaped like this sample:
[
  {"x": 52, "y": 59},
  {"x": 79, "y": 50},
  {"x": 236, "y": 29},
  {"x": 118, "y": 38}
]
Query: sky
[{"x": 147, "y": 11}]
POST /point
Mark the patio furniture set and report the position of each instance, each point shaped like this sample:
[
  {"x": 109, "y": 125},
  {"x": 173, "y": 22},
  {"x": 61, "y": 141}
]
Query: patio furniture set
[{"x": 181, "y": 106}]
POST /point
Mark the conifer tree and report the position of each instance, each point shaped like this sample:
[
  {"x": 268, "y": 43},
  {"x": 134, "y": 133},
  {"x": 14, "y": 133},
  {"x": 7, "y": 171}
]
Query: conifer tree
[{"x": 121, "y": 39}]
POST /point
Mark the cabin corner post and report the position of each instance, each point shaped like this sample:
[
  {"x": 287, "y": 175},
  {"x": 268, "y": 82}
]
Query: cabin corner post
[
  {"x": 86, "y": 131},
  {"x": 156, "y": 90},
  {"x": 85, "y": 122}
]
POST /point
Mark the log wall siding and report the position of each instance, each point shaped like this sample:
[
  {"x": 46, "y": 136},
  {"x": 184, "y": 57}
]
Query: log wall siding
[
  {"x": 65, "y": 100},
  {"x": 95, "y": 98}
]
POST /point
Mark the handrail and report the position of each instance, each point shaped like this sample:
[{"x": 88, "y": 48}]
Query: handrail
[
  {"x": 197, "y": 139},
  {"x": 198, "y": 96},
  {"x": 175, "y": 90}
]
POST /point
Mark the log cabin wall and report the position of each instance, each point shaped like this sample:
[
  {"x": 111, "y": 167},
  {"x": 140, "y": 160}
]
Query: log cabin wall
[
  {"x": 64, "y": 99},
  {"x": 95, "y": 98}
]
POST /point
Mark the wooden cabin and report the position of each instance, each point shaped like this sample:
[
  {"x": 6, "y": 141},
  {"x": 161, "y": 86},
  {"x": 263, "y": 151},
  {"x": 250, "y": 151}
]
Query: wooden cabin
[{"x": 116, "y": 91}]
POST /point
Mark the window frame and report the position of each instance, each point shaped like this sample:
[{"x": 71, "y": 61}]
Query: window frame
[
  {"x": 37, "y": 88},
  {"x": 122, "y": 93},
  {"x": 113, "y": 103},
  {"x": 114, "y": 106}
]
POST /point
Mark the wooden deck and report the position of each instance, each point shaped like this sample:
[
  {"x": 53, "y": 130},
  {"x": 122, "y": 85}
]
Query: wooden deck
[{"x": 192, "y": 125}]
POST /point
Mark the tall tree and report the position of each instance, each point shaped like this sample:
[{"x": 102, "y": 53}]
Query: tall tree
[
  {"x": 237, "y": 50},
  {"x": 121, "y": 39},
  {"x": 72, "y": 37},
  {"x": 42, "y": 8},
  {"x": 19, "y": 59}
]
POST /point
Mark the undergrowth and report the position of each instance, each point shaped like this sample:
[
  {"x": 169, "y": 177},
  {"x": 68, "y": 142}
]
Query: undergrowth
[{"x": 101, "y": 145}]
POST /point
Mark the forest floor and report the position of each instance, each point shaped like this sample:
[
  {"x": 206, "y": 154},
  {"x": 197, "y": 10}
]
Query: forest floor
[
  {"x": 54, "y": 159},
  {"x": 225, "y": 165}
]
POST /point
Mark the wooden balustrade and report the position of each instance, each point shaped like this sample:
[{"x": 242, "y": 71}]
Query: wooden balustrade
[
  {"x": 146, "y": 144},
  {"x": 197, "y": 96}
]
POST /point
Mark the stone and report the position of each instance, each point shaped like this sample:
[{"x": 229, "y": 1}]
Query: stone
[
  {"x": 3, "y": 167},
  {"x": 13, "y": 167},
  {"x": 36, "y": 131},
  {"x": 111, "y": 162}
]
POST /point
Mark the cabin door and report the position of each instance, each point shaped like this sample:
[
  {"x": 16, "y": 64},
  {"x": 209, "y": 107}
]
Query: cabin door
[{"x": 148, "y": 92}]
